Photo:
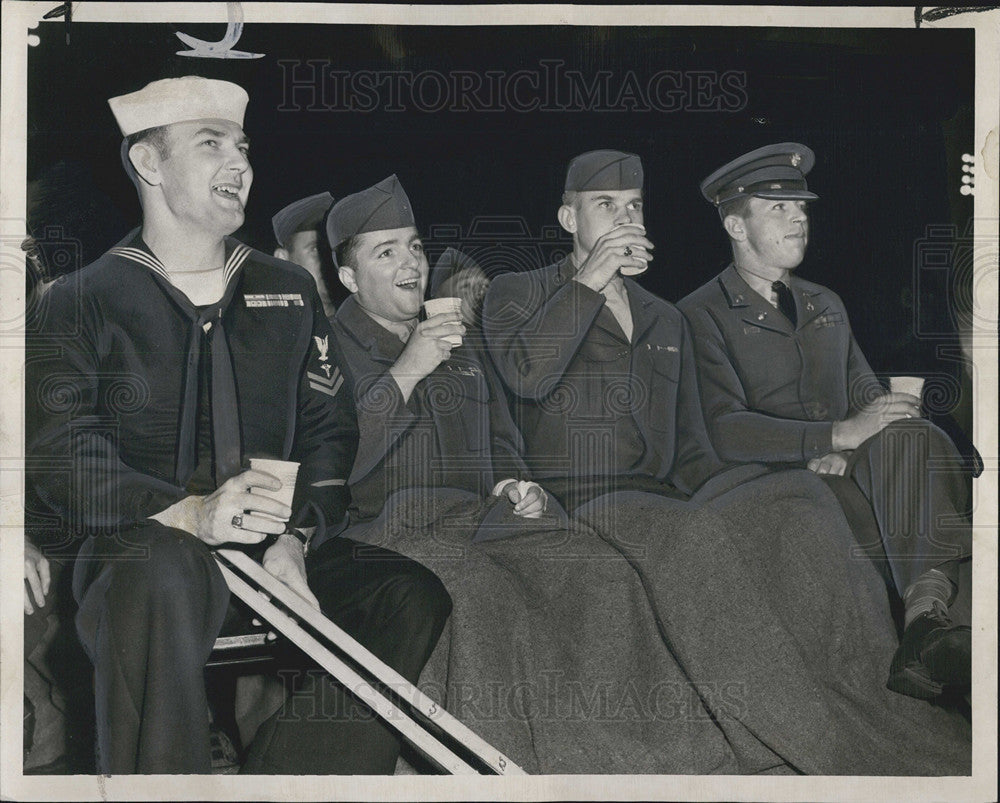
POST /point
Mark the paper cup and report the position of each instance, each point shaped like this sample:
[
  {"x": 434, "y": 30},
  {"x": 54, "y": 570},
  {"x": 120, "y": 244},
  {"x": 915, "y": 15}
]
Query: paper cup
[
  {"x": 284, "y": 470},
  {"x": 435, "y": 306},
  {"x": 914, "y": 385}
]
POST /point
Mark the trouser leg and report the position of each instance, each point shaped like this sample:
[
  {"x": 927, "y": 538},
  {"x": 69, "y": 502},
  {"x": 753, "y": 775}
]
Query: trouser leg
[
  {"x": 148, "y": 617},
  {"x": 911, "y": 474},
  {"x": 397, "y": 609}
]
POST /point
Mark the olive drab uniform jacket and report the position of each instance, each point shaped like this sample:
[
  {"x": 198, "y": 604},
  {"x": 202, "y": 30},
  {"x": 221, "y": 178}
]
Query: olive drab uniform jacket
[
  {"x": 589, "y": 401},
  {"x": 770, "y": 390}
]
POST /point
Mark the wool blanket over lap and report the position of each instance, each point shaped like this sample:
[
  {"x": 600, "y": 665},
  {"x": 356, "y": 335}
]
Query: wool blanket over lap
[
  {"x": 552, "y": 653},
  {"x": 764, "y": 587}
]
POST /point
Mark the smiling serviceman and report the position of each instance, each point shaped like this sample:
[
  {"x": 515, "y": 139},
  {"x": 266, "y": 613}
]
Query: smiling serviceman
[
  {"x": 412, "y": 377},
  {"x": 783, "y": 381},
  {"x": 182, "y": 353}
]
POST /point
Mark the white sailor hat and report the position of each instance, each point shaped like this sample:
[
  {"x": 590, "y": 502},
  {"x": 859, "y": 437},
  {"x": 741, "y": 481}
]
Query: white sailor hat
[{"x": 177, "y": 100}]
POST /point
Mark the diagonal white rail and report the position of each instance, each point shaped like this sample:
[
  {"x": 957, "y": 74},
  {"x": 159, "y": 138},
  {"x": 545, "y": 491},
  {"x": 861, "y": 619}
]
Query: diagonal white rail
[
  {"x": 424, "y": 742},
  {"x": 385, "y": 674}
]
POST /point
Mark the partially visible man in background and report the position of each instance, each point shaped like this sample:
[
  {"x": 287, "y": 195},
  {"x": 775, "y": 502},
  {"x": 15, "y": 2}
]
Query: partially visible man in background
[{"x": 297, "y": 232}]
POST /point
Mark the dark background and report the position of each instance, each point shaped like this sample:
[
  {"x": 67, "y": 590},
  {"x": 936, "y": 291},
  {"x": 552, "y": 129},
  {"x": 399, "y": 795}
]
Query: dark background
[{"x": 888, "y": 113}]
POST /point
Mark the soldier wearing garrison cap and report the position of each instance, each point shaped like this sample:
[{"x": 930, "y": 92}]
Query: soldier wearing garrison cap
[
  {"x": 381, "y": 207},
  {"x": 604, "y": 383},
  {"x": 411, "y": 376},
  {"x": 784, "y": 382},
  {"x": 186, "y": 354},
  {"x": 578, "y": 328},
  {"x": 296, "y": 230}
]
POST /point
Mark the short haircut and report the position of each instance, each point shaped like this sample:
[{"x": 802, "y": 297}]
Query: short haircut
[
  {"x": 157, "y": 137},
  {"x": 739, "y": 206},
  {"x": 345, "y": 254}
]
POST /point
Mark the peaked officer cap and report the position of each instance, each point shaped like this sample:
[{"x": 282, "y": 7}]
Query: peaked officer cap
[{"x": 775, "y": 171}]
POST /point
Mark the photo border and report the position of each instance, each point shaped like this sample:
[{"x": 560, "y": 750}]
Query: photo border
[{"x": 20, "y": 18}]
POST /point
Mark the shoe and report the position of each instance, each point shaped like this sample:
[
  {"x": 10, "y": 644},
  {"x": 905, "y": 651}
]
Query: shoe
[
  {"x": 225, "y": 759},
  {"x": 934, "y": 657}
]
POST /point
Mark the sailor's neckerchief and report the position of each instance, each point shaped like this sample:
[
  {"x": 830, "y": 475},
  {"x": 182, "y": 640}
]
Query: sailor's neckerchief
[{"x": 204, "y": 321}]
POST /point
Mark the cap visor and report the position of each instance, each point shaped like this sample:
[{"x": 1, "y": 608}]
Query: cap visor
[{"x": 787, "y": 195}]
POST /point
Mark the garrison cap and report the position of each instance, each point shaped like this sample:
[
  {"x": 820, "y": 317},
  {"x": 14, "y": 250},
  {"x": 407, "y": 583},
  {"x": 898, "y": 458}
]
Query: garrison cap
[
  {"x": 604, "y": 170},
  {"x": 777, "y": 172},
  {"x": 383, "y": 206},
  {"x": 450, "y": 263},
  {"x": 178, "y": 100},
  {"x": 301, "y": 215}
]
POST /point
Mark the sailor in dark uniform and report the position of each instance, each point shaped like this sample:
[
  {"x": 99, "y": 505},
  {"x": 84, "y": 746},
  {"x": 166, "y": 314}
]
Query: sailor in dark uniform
[
  {"x": 176, "y": 357},
  {"x": 783, "y": 381},
  {"x": 297, "y": 232}
]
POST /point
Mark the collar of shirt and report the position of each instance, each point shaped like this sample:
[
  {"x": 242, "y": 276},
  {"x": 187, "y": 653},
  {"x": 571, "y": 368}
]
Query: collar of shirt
[
  {"x": 368, "y": 332},
  {"x": 760, "y": 285}
]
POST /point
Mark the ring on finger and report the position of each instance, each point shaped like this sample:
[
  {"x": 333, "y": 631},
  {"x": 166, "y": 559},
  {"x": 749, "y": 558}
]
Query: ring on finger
[
  {"x": 237, "y": 521},
  {"x": 628, "y": 251}
]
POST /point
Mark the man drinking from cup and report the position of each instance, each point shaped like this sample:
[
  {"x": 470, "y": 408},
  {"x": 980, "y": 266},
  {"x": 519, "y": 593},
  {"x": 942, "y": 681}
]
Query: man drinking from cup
[
  {"x": 783, "y": 381},
  {"x": 409, "y": 375}
]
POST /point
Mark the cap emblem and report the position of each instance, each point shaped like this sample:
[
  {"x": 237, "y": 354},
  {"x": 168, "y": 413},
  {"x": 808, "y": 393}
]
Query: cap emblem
[{"x": 796, "y": 159}]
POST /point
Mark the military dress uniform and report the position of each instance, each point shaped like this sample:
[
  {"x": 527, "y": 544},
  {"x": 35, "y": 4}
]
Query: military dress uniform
[
  {"x": 599, "y": 411},
  {"x": 453, "y": 432},
  {"x": 130, "y": 404},
  {"x": 773, "y": 386}
]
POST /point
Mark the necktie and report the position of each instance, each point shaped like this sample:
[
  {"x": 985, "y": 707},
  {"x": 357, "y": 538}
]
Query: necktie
[
  {"x": 620, "y": 309},
  {"x": 786, "y": 303}
]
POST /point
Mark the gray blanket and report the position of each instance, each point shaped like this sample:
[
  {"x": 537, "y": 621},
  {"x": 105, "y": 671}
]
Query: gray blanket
[{"x": 716, "y": 636}]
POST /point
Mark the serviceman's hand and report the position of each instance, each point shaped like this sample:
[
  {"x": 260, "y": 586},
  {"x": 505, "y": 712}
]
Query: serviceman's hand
[
  {"x": 625, "y": 246},
  {"x": 36, "y": 577},
  {"x": 285, "y": 560},
  {"x": 426, "y": 349},
  {"x": 832, "y": 463},
  {"x": 872, "y": 419},
  {"x": 229, "y": 514},
  {"x": 529, "y": 498}
]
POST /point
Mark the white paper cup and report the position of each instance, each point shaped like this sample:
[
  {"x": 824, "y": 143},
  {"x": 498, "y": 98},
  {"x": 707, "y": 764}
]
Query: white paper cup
[
  {"x": 284, "y": 470},
  {"x": 914, "y": 385},
  {"x": 435, "y": 306}
]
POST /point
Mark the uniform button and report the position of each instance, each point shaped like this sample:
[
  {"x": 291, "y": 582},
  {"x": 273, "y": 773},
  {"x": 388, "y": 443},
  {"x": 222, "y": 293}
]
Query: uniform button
[{"x": 761, "y": 316}]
